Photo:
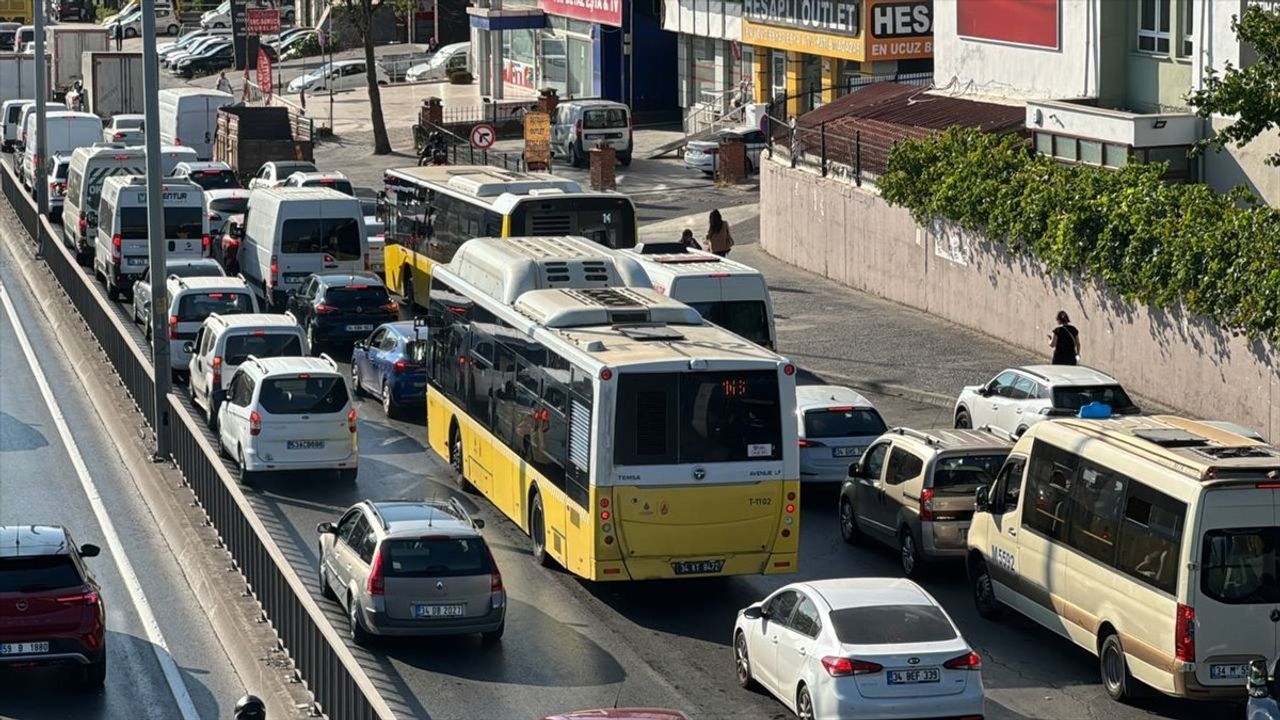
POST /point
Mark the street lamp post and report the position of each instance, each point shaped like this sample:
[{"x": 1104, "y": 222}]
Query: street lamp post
[
  {"x": 155, "y": 229},
  {"x": 39, "y": 179}
]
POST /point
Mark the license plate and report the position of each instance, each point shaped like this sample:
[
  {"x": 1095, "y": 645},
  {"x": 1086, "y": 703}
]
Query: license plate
[
  {"x": 1229, "y": 672},
  {"x": 697, "y": 567},
  {"x": 30, "y": 648},
  {"x": 359, "y": 328},
  {"x": 137, "y": 262},
  {"x": 304, "y": 444},
  {"x": 910, "y": 677},
  {"x": 846, "y": 451},
  {"x": 439, "y": 611},
  {"x": 295, "y": 278}
]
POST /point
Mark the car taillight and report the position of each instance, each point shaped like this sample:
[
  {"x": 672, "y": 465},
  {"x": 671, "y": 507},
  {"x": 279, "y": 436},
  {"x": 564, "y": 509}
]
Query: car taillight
[
  {"x": 376, "y": 585},
  {"x": 325, "y": 309},
  {"x": 83, "y": 225},
  {"x": 810, "y": 443},
  {"x": 577, "y": 128},
  {"x": 217, "y": 373},
  {"x": 926, "y": 505},
  {"x": 204, "y": 244},
  {"x": 86, "y": 598},
  {"x": 255, "y": 423},
  {"x": 177, "y": 141},
  {"x": 1184, "y": 634},
  {"x": 495, "y": 577},
  {"x": 117, "y": 136},
  {"x": 400, "y": 366},
  {"x": 115, "y": 248},
  {"x": 844, "y": 667},
  {"x": 391, "y": 307},
  {"x": 969, "y": 661},
  {"x": 173, "y": 327},
  {"x": 275, "y": 271},
  {"x": 351, "y": 420}
]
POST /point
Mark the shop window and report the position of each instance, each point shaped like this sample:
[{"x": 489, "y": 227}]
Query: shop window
[
  {"x": 1091, "y": 152},
  {"x": 1064, "y": 148},
  {"x": 1115, "y": 156},
  {"x": 1044, "y": 144},
  {"x": 1153, "y": 25}
]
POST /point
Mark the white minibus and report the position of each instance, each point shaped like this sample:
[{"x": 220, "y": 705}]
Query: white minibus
[{"x": 121, "y": 253}]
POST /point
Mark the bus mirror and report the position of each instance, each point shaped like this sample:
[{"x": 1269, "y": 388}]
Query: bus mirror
[{"x": 982, "y": 499}]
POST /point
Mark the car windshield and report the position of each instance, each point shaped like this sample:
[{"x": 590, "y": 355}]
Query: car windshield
[
  {"x": 215, "y": 179},
  {"x": 195, "y": 307},
  {"x": 261, "y": 344},
  {"x": 303, "y": 395},
  {"x": 966, "y": 473},
  {"x": 891, "y": 625},
  {"x": 744, "y": 318},
  {"x": 841, "y": 422},
  {"x": 38, "y": 573},
  {"x": 1076, "y": 397},
  {"x": 367, "y": 297},
  {"x": 229, "y": 206},
  {"x": 435, "y": 557},
  {"x": 604, "y": 118},
  {"x": 1241, "y": 566}
]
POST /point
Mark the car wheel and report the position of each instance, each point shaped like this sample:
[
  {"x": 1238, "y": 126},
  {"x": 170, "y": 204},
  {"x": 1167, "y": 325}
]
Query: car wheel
[
  {"x": 245, "y": 476},
  {"x": 749, "y": 168},
  {"x": 146, "y": 327},
  {"x": 984, "y": 593},
  {"x": 355, "y": 374},
  {"x": 538, "y": 532},
  {"x": 326, "y": 591},
  {"x": 849, "y": 523},
  {"x": 962, "y": 419},
  {"x": 312, "y": 341},
  {"x": 455, "y": 458},
  {"x": 804, "y": 704},
  {"x": 174, "y": 30},
  {"x": 624, "y": 159},
  {"x": 1018, "y": 433},
  {"x": 388, "y": 406},
  {"x": 130, "y": 33},
  {"x": 1116, "y": 679},
  {"x": 493, "y": 637},
  {"x": 359, "y": 635},
  {"x": 211, "y": 415},
  {"x": 94, "y": 676},
  {"x": 742, "y": 661},
  {"x": 909, "y": 553},
  {"x": 113, "y": 294}
]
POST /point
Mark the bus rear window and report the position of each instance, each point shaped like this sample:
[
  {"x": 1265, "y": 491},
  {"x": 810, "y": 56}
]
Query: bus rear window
[
  {"x": 339, "y": 237},
  {"x": 195, "y": 307},
  {"x": 1241, "y": 566},
  {"x": 240, "y": 347},
  {"x": 606, "y": 221},
  {"x": 744, "y": 318},
  {"x": 303, "y": 396}
]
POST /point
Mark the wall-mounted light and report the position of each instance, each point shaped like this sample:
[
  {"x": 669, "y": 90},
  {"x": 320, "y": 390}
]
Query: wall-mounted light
[
  {"x": 1038, "y": 117},
  {"x": 1158, "y": 124}
]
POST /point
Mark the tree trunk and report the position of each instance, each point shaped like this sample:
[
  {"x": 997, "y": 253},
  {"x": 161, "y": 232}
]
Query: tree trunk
[{"x": 381, "y": 143}]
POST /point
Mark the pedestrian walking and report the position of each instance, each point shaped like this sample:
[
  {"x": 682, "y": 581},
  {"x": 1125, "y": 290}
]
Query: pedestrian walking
[
  {"x": 224, "y": 85},
  {"x": 687, "y": 240},
  {"x": 719, "y": 239},
  {"x": 119, "y": 34},
  {"x": 1065, "y": 341}
]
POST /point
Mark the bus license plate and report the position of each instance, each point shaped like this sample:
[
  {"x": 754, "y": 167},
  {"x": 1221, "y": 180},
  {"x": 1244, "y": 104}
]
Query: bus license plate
[
  {"x": 29, "y": 648},
  {"x": 910, "y": 677},
  {"x": 697, "y": 567},
  {"x": 432, "y": 611},
  {"x": 304, "y": 445},
  {"x": 1232, "y": 671}
]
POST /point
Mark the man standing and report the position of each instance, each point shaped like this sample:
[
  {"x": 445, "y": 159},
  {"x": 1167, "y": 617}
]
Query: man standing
[
  {"x": 119, "y": 32},
  {"x": 224, "y": 85}
]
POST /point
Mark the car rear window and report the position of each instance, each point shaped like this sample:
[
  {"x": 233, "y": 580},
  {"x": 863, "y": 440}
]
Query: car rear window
[
  {"x": 842, "y": 422},
  {"x": 38, "y": 573},
  {"x": 963, "y": 475},
  {"x": 195, "y": 307},
  {"x": 215, "y": 179},
  {"x": 1241, "y": 566},
  {"x": 1074, "y": 398},
  {"x": 229, "y": 206},
  {"x": 196, "y": 270},
  {"x": 342, "y": 186},
  {"x": 891, "y": 625},
  {"x": 435, "y": 557},
  {"x": 128, "y": 123},
  {"x": 339, "y": 237},
  {"x": 602, "y": 118},
  {"x": 303, "y": 395},
  {"x": 363, "y": 296},
  {"x": 240, "y": 347}
]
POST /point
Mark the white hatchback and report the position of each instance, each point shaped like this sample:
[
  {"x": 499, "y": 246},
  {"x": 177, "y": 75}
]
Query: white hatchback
[
  {"x": 288, "y": 413},
  {"x": 1019, "y": 397},
  {"x": 870, "y": 648},
  {"x": 836, "y": 425}
]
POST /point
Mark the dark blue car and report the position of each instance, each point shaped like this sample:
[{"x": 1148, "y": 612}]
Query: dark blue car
[{"x": 391, "y": 364}]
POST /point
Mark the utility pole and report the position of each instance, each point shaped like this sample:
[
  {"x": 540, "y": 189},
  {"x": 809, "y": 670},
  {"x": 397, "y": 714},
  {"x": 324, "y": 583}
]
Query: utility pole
[
  {"x": 155, "y": 230},
  {"x": 39, "y": 178}
]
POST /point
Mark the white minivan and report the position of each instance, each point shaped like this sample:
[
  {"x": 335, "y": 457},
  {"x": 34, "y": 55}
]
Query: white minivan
[
  {"x": 90, "y": 166},
  {"x": 224, "y": 342},
  {"x": 121, "y": 253},
  {"x": 726, "y": 293},
  {"x": 290, "y": 233},
  {"x": 66, "y": 131},
  {"x": 189, "y": 116},
  {"x": 1151, "y": 542}
]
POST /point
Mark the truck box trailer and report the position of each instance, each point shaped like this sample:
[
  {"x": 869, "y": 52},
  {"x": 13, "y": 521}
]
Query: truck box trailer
[
  {"x": 250, "y": 136},
  {"x": 112, "y": 82},
  {"x": 18, "y": 76},
  {"x": 68, "y": 42}
]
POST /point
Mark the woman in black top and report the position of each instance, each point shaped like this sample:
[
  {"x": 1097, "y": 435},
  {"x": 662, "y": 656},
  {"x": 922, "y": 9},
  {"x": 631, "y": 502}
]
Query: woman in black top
[{"x": 1065, "y": 341}]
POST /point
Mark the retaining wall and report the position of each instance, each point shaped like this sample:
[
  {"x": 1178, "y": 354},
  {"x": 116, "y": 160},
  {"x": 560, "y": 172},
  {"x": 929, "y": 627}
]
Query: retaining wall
[{"x": 854, "y": 237}]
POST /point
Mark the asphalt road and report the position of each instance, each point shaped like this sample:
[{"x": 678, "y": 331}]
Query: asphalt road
[{"x": 40, "y": 485}]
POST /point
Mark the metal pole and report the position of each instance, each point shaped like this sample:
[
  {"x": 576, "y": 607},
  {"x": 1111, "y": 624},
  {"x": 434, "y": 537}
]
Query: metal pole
[
  {"x": 328, "y": 80},
  {"x": 155, "y": 230},
  {"x": 496, "y": 42},
  {"x": 824, "y": 149},
  {"x": 39, "y": 179},
  {"x": 857, "y": 158}
]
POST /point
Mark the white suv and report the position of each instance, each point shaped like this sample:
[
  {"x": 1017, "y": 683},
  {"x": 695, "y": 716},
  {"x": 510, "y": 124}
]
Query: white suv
[
  {"x": 223, "y": 343},
  {"x": 288, "y": 413},
  {"x": 191, "y": 300},
  {"x": 1020, "y": 397}
]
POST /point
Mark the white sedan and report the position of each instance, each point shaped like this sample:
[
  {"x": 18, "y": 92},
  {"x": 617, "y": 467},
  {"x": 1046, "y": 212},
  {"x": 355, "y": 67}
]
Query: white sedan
[
  {"x": 702, "y": 154},
  {"x": 340, "y": 75},
  {"x": 870, "y": 648}
]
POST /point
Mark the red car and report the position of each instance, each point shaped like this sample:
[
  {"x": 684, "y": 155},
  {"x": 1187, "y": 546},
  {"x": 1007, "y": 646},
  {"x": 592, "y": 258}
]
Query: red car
[{"x": 51, "y": 611}]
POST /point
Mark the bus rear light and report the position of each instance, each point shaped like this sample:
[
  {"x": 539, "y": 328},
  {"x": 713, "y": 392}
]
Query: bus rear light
[
  {"x": 604, "y": 502},
  {"x": 1184, "y": 634},
  {"x": 605, "y": 515},
  {"x": 606, "y": 528},
  {"x": 786, "y": 532},
  {"x": 791, "y": 507},
  {"x": 791, "y": 496},
  {"x": 782, "y": 564},
  {"x": 606, "y": 374},
  {"x": 255, "y": 423},
  {"x": 611, "y": 571},
  {"x": 926, "y": 505},
  {"x": 788, "y": 369},
  {"x": 608, "y": 540}
]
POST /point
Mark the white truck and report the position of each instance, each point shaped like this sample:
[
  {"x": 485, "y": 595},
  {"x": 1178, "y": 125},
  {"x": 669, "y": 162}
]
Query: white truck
[
  {"x": 17, "y": 76},
  {"x": 67, "y": 42},
  {"x": 112, "y": 83}
]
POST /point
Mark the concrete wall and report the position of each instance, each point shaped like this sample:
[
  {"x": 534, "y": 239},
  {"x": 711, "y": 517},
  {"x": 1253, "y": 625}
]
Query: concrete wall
[
  {"x": 1244, "y": 166},
  {"x": 853, "y": 237}
]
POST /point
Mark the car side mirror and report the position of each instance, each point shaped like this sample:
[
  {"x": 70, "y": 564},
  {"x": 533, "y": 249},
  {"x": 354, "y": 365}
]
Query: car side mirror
[
  {"x": 1258, "y": 684},
  {"x": 187, "y": 347},
  {"x": 984, "y": 391},
  {"x": 87, "y": 551},
  {"x": 982, "y": 499},
  {"x": 326, "y": 528},
  {"x": 754, "y": 612}
]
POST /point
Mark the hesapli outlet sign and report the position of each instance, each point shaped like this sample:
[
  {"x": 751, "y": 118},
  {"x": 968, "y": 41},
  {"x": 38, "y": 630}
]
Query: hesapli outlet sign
[{"x": 835, "y": 16}]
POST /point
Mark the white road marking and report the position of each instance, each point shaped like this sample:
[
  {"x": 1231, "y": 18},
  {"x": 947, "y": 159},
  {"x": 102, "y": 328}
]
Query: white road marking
[{"x": 137, "y": 597}]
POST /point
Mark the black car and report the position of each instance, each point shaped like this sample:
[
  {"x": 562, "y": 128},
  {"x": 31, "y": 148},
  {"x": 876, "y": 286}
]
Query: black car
[
  {"x": 207, "y": 63},
  {"x": 341, "y": 308},
  {"x": 76, "y": 11}
]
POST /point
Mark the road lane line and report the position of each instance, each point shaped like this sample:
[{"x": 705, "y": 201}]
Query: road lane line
[{"x": 172, "y": 675}]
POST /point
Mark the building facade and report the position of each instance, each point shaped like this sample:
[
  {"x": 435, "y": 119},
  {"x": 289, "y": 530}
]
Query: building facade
[
  {"x": 1105, "y": 81},
  {"x": 712, "y": 62}
]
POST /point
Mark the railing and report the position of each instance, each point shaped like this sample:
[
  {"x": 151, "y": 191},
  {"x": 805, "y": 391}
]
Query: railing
[
  {"x": 339, "y": 685},
  {"x": 489, "y": 112},
  {"x": 718, "y": 109},
  {"x": 460, "y": 152},
  {"x": 815, "y": 150}
]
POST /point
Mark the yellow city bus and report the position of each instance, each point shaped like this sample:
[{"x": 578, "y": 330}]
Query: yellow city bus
[
  {"x": 631, "y": 439},
  {"x": 430, "y": 211}
]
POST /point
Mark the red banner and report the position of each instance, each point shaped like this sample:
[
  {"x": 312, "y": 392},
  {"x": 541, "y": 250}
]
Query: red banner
[
  {"x": 262, "y": 21},
  {"x": 605, "y": 12},
  {"x": 264, "y": 76},
  {"x": 1021, "y": 22}
]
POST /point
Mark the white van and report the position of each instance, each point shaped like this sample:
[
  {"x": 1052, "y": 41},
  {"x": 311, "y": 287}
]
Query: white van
[
  {"x": 66, "y": 131},
  {"x": 1151, "y": 542},
  {"x": 11, "y": 115},
  {"x": 224, "y": 342},
  {"x": 726, "y": 293},
  {"x": 29, "y": 110},
  {"x": 189, "y": 116},
  {"x": 121, "y": 253},
  {"x": 448, "y": 59},
  {"x": 290, "y": 233}
]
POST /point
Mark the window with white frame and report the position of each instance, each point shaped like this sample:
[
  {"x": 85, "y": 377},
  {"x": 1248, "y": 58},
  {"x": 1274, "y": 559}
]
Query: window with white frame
[
  {"x": 1186, "y": 21},
  {"x": 1153, "y": 25}
]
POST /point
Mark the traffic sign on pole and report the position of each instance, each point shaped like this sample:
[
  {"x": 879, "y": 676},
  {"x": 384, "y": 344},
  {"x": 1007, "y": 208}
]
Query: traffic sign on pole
[{"x": 482, "y": 136}]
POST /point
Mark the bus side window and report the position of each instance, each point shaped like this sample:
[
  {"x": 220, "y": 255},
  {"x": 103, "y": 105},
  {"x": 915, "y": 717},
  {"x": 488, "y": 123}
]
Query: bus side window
[
  {"x": 492, "y": 224},
  {"x": 1049, "y": 480},
  {"x": 1008, "y": 486}
]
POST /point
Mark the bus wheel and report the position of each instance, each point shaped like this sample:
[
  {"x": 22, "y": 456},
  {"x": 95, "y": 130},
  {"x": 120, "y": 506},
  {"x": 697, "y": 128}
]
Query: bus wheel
[
  {"x": 1116, "y": 679},
  {"x": 455, "y": 457},
  {"x": 538, "y": 532}
]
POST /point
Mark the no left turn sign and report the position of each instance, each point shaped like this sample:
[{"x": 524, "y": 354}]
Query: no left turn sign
[{"x": 482, "y": 136}]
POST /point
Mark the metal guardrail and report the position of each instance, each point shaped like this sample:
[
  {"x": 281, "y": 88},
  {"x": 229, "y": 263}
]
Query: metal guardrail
[{"x": 341, "y": 688}]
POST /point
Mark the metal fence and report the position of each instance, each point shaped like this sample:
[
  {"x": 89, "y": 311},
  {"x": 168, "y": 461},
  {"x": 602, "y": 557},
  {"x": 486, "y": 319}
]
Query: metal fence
[
  {"x": 339, "y": 685},
  {"x": 460, "y": 151},
  {"x": 489, "y": 112}
]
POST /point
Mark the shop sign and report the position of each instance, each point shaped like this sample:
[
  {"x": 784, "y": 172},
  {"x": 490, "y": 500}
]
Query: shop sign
[
  {"x": 1018, "y": 22},
  {"x": 604, "y": 12},
  {"x": 821, "y": 44},
  {"x": 518, "y": 74},
  {"x": 835, "y": 16},
  {"x": 262, "y": 21},
  {"x": 899, "y": 30},
  {"x": 537, "y": 140}
]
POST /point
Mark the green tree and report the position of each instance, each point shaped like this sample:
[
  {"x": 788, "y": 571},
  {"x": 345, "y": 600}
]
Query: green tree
[
  {"x": 406, "y": 10},
  {"x": 361, "y": 13},
  {"x": 1250, "y": 94}
]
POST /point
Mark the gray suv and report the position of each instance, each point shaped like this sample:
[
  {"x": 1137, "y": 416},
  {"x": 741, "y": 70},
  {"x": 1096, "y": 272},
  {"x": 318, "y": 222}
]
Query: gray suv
[
  {"x": 412, "y": 568},
  {"x": 914, "y": 490}
]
